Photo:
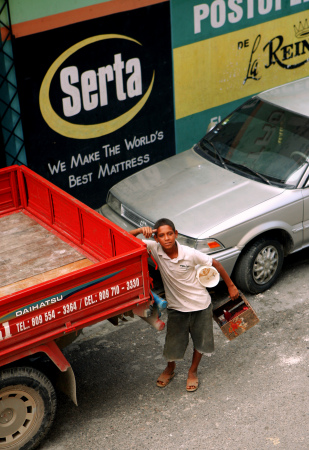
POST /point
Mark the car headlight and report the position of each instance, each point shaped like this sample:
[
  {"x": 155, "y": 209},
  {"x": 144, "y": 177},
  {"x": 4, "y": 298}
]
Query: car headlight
[
  {"x": 203, "y": 245},
  {"x": 113, "y": 203}
]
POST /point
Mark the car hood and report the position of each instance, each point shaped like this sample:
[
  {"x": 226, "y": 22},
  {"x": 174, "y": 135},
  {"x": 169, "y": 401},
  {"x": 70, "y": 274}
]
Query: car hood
[{"x": 191, "y": 191}]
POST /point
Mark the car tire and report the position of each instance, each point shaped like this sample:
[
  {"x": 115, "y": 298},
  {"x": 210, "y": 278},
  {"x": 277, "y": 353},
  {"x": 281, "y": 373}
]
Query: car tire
[
  {"x": 259, "y": 266},
  {"x": 27, "y": 407}
]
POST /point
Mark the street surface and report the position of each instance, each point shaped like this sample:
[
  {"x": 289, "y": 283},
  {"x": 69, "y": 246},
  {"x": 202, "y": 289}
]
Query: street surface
[{"x": 253, "y": 393}]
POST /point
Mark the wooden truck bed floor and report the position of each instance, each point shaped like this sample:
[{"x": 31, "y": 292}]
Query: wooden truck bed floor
[{"x": 30, "y": 254}]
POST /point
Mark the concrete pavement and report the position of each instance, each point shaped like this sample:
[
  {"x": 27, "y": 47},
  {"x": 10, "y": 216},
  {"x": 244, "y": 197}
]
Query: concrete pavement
[{"x": 253, "y": 391}]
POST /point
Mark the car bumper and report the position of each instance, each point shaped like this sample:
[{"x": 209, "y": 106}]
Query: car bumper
[{"x": 227, "y": 257}]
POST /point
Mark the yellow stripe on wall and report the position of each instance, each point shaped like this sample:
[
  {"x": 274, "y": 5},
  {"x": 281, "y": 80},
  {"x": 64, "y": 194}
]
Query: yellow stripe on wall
[{"x": 212, "y": 72}]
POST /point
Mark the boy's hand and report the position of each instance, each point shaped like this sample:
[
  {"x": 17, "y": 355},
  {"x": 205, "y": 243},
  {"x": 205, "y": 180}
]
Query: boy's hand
[
  {"x": 146, "y": 231},
  {"x": 233, "y": 291}
]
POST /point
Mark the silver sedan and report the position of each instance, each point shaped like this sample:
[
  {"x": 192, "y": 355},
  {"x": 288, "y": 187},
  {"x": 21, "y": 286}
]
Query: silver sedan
[{"x": 241, "y": 194}]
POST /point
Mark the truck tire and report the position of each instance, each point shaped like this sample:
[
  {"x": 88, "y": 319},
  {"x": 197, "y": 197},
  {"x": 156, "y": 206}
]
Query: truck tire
[
  {"x": 259, "y": 266},
  {"x": 27, "y": 407}
]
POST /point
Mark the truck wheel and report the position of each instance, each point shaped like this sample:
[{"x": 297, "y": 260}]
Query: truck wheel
[
  {"x": 27, "y": 408},
  {"x": 259, "y": 266}
]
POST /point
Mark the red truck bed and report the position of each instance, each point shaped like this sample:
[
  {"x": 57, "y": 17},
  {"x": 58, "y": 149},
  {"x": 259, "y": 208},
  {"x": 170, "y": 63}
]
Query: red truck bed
[
  {"x": 31, "y": 254},
  {"x": 63, "y": 266}
]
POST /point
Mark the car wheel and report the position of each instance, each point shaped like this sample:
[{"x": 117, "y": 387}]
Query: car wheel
[
  {"x": 27, "y": 408},
  {"x": 259, "y": 266}
]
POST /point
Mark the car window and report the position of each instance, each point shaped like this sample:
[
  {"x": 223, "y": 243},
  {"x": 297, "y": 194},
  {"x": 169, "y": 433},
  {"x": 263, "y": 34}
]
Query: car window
[{"x": 265, "y": 139}]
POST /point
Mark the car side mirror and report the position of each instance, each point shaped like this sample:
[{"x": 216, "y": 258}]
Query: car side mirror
[{"x": 211, "y": 126}]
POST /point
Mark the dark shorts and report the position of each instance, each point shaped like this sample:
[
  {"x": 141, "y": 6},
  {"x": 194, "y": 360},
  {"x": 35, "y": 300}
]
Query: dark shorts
[{"x": 198, "y": 324}]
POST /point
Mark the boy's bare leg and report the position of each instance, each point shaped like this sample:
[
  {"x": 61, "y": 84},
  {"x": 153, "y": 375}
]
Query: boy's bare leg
[
  {"x": 167, "y": 374},
  {"x": 171, "y": 365},
  {"x": 170, "y": 368},
  {"x": 192, "y": 382}
]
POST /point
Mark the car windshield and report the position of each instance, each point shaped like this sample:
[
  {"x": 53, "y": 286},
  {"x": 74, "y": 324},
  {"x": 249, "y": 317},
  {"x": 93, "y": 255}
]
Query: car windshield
[{"x": 262, "y": 141}]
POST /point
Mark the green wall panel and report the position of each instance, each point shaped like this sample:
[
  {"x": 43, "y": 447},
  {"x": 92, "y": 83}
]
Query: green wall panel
[{"x": 24, "y": 10}]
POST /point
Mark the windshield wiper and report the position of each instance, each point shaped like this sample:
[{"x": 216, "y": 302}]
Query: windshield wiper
[
  {"x": 216, "y": 151},
  {"x": 257, "y": 174}
]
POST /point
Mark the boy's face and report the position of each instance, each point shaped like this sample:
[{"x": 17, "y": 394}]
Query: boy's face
[{"x": 166, "y": 237}]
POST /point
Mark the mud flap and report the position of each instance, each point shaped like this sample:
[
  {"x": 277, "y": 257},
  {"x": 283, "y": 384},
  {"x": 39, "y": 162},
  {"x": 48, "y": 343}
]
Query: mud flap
[{"x": 66, "y": 383}]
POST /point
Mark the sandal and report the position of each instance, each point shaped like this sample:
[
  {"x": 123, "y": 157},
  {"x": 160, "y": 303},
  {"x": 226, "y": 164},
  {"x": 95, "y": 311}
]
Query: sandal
[
  {"x": 164, "y": 379},
  {"x": 192, "y": 384}
]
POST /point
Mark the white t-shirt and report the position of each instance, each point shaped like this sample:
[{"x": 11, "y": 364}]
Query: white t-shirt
[{"x": 183, "y": 291}]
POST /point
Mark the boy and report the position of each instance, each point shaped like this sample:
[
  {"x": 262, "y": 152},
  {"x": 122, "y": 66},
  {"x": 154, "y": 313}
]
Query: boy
[{"x": 189, "y": 305}]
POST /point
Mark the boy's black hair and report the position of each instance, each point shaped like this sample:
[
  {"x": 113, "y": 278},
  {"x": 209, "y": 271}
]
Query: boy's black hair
[{"x": 161, "y": 222}]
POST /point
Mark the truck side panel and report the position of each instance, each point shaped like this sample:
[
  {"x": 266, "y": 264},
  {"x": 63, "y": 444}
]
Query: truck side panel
[
  {"x": 9, "y": 192},
  {"x": 69, "y": 308}
]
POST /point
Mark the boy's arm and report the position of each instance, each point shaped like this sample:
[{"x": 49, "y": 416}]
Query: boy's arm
[
  {"x": 233, "y": 291},
  {"x": 146, "y": 231}
]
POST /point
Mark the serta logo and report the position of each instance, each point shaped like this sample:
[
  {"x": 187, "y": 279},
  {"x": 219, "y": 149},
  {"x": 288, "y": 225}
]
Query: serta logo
[
  {"x": 88, "y": 91},
  {"x": 94, "y": 85}
]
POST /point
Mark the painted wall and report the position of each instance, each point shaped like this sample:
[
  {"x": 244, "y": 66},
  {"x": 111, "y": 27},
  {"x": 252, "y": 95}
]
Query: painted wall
[
  {"x": 207, "y": 57},
  {"x": 225, "y": 51}
]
